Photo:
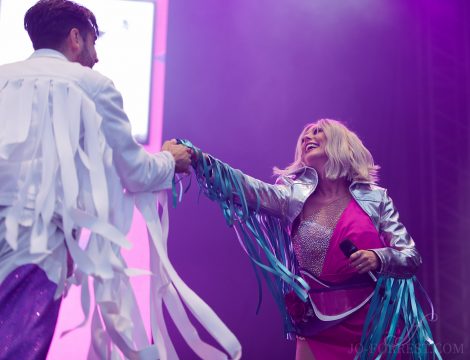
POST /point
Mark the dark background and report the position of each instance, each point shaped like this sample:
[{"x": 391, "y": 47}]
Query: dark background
[{"x": 244, "y": 77}]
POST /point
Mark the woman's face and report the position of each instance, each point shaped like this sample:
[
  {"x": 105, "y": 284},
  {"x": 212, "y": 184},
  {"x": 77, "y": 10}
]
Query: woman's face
[{"x": 313, "y": 147}]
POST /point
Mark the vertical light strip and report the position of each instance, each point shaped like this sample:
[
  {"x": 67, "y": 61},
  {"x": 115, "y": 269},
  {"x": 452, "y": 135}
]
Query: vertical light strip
[{"x": 158, "y": 75}]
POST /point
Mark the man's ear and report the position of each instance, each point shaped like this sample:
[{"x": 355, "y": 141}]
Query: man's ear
[
  {"x": 75, "y": 40},
  {"x": 72, "y": 44}
]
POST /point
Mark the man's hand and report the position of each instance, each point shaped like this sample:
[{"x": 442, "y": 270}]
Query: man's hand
[
  {"x": 181, "y": 153},
  {"x": 364, "y": 261}
]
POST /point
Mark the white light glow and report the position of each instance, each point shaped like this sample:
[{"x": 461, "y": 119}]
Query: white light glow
[{"x": 124, "y": 50}]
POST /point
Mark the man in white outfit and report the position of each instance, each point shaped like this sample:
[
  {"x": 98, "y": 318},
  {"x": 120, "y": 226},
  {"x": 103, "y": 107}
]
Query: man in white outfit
[{"x": 66, "y": 155}]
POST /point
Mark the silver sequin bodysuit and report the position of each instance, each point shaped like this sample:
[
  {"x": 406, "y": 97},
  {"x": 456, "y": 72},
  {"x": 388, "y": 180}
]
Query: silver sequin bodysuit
[{"x": 312, "y": 237}]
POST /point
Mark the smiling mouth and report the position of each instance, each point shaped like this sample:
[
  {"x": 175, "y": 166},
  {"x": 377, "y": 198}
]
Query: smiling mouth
[{"x": 311, "y": 146}]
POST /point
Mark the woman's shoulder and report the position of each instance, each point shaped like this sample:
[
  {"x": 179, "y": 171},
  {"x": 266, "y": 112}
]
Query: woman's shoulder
[
  {"x": 368, "y": 191},
  {"x": 303, "y": 175},
  {"x": 368, "y": 186},
  {"x": 286, "y": 180}
]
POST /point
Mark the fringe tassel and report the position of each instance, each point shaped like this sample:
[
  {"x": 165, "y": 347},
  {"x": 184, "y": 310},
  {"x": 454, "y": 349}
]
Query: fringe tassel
[
  {"x": 396, "y": 323},
  {"x": 264, "y": 238}
]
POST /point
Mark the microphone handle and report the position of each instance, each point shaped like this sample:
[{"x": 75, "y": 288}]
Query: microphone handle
[{"x": 372, "y": 276}]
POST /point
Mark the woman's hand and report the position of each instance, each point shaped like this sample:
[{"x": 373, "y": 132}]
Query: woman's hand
[{"x": 364, "y": 261}]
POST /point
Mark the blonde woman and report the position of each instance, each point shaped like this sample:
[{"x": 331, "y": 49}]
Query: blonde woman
[
  {"x": 332, "y": 208},
  {"x": 341, "y": 202}
]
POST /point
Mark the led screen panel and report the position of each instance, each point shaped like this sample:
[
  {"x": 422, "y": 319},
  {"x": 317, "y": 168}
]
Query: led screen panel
[{"x": 124, "y": 49}]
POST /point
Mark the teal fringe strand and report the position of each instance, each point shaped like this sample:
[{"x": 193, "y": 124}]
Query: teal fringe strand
[
  {"x": 396, "y": 323},
  {"x": 264, "y": 238}
]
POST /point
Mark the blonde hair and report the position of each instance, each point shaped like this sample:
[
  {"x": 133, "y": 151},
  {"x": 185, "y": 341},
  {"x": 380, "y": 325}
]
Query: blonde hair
[{"x": 347, "y": 155}]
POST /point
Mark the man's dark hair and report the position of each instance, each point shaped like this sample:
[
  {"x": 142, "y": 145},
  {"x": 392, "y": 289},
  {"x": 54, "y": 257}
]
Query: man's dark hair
[{"x": 49, "y": 22}]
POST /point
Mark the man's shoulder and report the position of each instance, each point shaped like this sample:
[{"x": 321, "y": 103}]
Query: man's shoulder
[{"x": 90, "y": 81}]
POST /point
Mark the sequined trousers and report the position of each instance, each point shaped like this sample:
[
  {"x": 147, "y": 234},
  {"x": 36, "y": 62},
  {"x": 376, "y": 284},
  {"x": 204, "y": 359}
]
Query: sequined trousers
[{"x": 28, "y": 314}]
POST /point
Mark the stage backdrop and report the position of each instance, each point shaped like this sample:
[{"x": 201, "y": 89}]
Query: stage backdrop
[{"x": 244, "y": 77}]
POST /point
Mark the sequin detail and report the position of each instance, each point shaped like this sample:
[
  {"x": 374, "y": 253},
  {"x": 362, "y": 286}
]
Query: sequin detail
[
  {"x": 312, "y": 237},
  {"x": 28, "y": 314}
]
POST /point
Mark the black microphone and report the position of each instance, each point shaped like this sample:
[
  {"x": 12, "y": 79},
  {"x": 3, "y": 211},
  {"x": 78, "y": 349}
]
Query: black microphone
[{"x": 348, "y": 248}]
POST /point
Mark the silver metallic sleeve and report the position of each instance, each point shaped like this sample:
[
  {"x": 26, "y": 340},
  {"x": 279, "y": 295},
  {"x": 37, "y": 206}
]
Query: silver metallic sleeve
[
  {"x": 400, "y": 258},
  {"x": 274, "y": 199}
]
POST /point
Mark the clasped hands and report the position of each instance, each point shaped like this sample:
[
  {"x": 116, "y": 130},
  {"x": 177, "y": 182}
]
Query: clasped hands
[{"x": 182, "y": 155}]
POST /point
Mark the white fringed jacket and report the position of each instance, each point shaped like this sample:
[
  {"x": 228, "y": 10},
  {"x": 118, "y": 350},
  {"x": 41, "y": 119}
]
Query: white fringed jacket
[{"x": 66, "y": 156}]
